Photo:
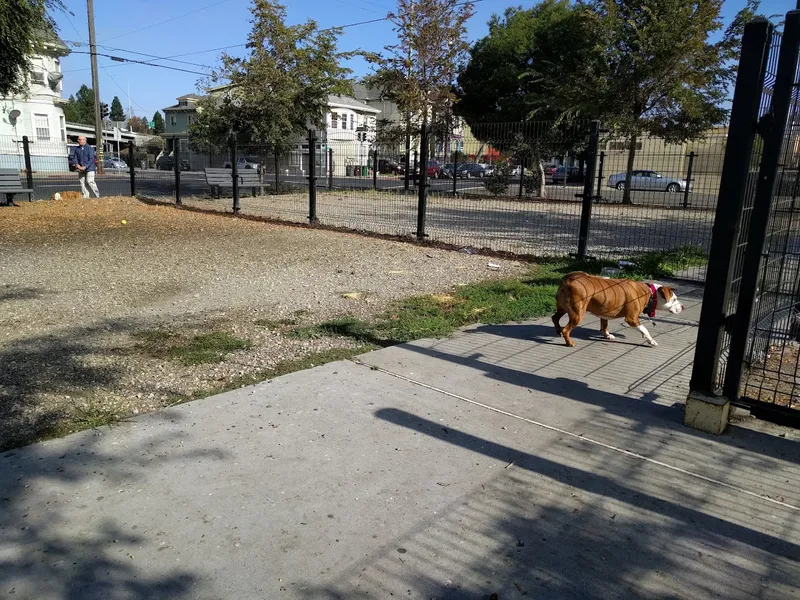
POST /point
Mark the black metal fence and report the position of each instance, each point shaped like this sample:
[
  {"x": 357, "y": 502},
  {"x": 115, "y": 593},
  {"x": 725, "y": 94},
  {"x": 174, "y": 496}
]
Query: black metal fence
[
  {"x": 747, "y": 346},
  {"x": 534, "y": 188}
]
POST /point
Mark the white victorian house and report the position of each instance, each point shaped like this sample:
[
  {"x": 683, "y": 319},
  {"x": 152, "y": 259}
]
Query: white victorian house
[
  {"x": 350, "y": 127},
  {"x": 37, "y": 114}
]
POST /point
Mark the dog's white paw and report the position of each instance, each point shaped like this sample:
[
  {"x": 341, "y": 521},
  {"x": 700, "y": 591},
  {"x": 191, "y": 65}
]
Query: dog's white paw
[{"x": 610, "y": 336}]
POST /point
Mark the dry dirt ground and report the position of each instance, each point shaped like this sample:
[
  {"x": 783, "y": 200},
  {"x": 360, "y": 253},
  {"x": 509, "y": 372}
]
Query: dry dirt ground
[{"x": 94, "y": 293}]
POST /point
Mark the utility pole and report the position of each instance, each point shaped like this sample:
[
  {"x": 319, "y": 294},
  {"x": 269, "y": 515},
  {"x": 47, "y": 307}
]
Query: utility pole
[{"x": 98, "y": 121}]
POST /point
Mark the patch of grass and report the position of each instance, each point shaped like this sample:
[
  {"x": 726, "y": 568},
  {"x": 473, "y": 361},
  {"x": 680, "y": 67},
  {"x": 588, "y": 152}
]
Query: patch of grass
[
  {"x": 199, "y": 349},
  {"x": 668, "y": 263},
  {"x": 315, "y": 359},
  {"x": 206, "y": 347}
]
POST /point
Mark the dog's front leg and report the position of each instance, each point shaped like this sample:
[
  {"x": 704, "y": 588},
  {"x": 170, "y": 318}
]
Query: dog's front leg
[{"x": 646, "y": 335}]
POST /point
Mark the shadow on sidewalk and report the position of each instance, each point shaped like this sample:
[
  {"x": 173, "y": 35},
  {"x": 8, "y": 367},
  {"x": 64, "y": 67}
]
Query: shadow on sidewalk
[{"x": 546, "y": 528}]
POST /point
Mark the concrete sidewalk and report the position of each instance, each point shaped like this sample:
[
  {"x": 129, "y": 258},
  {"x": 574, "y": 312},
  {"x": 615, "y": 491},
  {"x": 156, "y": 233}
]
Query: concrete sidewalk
[{"x": 498, "y": 461}]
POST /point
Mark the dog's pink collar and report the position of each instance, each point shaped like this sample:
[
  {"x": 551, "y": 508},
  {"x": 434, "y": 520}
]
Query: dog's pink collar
[{"x": 653, "y": 304}]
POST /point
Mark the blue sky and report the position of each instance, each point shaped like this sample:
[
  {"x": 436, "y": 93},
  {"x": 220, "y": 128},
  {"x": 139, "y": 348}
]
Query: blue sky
[{"x": 165, "y": 29}]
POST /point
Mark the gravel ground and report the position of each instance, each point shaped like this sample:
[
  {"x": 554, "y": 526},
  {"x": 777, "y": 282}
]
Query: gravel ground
[{"x": 77, "y": 285}]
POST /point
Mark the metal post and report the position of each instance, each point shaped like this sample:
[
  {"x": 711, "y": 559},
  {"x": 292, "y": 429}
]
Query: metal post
[
  {"x": 408, "y": 153},
  {"x": 26, "y": 150},
  {"x": 588, "y": 181},
  {"x": 521, "y": 175},
  {"x": 600, "y": 176},
  {"x": 177, "y": 167},
  {"x": 733, "y": 185},
  {"x": 312, "y": 177},
  {"x": 234, "y": 173},
  {"x": 277, "y": 172},
  {"x": 688, "y": 179},
  {"x": 98, "y": 120},
  {"x": 422, "y": 205},
  {"x": 330, "y": 168},
  {"x": 416, "y": 166},
  {"x": 375, "y": 170},
  {"x": 455, "y": 170},
  {"x": 773, "y": 136},
  {"x": 132, "y": 164}
]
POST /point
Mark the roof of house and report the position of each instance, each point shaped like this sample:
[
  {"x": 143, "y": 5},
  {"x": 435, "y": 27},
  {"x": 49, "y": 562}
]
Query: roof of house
[{"x": 337, "y": 101}]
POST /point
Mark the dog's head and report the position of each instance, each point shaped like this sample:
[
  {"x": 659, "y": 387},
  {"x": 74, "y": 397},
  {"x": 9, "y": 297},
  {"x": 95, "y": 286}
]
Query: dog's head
[{"x": 671, "y": 302}]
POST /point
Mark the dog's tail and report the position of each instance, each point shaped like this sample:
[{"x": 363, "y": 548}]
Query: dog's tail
[{"x": 56, "y": 196}]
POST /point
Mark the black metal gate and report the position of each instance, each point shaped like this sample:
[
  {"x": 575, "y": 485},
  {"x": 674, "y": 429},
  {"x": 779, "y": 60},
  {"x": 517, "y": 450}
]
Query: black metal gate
[{"x": 747, "y": 341}]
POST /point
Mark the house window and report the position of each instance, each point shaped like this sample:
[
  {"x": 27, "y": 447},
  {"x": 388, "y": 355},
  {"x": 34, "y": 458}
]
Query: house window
[
  {"x": 172, "y": 120},
  {"x": 334, "y": 120},
  {"x": 62, "y": 125},
  {"x": 42, "y": 126},
  {"x": 37, "y": 77},
  {"x": 191, "y": 118},
  {"x": 352, "y": 121}
]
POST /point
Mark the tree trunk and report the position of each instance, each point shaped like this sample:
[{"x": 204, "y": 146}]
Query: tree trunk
[
  {"x": 626, "y": 194},
  {"x": 541, "y": 192}
]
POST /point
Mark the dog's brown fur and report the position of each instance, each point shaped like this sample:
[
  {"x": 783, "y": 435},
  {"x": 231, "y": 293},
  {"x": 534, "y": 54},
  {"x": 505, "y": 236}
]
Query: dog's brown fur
[
  {"x": 605, "y": 298},
  {"x": 68, "y": 196}
]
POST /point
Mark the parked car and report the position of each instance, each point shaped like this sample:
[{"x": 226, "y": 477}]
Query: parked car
[
  {"x": 549, "y": 170},
  {"x": 468, "y": 170},
  {"x": 388, "y": 166},
  {"x": 434, "y": 169},
  {"x": 568, "y": 174},
  {"x": 648, "y": 180},
  {"x": 167, "y": 163},
  {"x": 114, "y": 162},
  {"x": 446, "y": 171},
  {"x": 243, "y": 163},
  {"x": 488, "y": 170}
]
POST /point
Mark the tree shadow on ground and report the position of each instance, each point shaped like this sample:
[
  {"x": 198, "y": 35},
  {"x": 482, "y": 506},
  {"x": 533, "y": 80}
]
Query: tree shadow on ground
[
  {"x": 43, "y": 555},
  {"x": 551, "y": 528}
]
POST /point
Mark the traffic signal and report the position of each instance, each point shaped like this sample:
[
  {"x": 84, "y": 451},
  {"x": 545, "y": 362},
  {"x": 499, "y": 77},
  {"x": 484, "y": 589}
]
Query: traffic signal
[{"x": 104, "y": 112}]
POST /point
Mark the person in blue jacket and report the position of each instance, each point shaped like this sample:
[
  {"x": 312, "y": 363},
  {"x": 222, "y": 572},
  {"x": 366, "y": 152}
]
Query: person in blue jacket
[{"x": 83, "y": 157}]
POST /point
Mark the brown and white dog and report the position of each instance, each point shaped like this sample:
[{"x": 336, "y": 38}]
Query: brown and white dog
[
  {"x": 66, "y": 196},
  {"x": 609, "y": 299}
]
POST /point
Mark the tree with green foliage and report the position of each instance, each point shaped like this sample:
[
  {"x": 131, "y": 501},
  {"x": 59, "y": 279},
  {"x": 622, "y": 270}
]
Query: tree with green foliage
[
  {"x": 117, "y": 112},
  {"x": 158, "y": 123},
  {"x": 512, "y": 93},
  {"x": 664, "y": 73},
  {"x": 280, "y": 88},
  {"x": 419, "y": 71},
  {"x": 24, "y": 26},
  {"x": 80, "y": 107}
]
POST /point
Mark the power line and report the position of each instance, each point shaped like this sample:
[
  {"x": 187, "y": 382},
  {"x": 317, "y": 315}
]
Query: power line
[
  {"x": 141, "y": 62},
  {"x": 167, "y": 20},
  {"x": 154, "y": 56}
]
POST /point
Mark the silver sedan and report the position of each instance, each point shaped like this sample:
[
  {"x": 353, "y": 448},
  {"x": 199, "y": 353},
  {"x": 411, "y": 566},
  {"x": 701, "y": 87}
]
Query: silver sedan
[{"x": 648, "y": 180}]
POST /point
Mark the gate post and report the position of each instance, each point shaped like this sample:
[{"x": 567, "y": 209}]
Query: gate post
[
  {"x": 772, "y": 128},
  {"x": 422, "y": 201},
  {"x": 588, "y": 184},
  {"x": 312, "y": 177},
  {"x": 233, "y": 141},
  {"x": 176, "y": 153},
  {"x": 704, "y": 410}
]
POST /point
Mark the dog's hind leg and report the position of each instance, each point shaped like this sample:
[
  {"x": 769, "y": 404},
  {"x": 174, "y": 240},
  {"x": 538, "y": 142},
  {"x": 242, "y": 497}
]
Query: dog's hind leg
[
  {"x": 575, "y": 317},
  {"x": 604, "y": 329},
  {"x": 557, "y": 320}
]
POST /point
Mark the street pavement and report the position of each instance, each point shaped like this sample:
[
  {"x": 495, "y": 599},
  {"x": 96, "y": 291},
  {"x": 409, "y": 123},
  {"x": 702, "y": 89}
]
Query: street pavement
[{"x": 496, "y": 463}]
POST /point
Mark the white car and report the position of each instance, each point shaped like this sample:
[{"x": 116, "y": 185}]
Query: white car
[{"x": 243, "y": 163}]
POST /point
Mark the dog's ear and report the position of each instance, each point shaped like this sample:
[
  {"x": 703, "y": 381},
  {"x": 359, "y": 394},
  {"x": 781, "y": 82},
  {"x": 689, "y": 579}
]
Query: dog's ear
[{"x": 666, "y": 292}]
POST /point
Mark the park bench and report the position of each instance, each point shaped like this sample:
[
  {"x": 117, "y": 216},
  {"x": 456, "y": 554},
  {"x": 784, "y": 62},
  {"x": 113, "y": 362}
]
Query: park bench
[
  {"x": 10, "y": 185},
  {"x": 222, "y": 178}
]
